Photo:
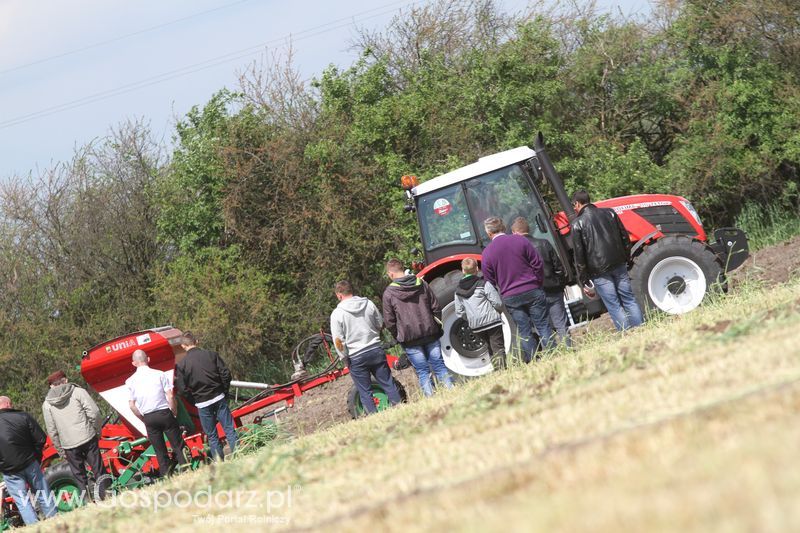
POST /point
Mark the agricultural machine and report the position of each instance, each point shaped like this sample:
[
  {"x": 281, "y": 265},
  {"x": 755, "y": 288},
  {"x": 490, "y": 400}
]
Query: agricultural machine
[
  {"x": 127, "y": 454},
  {"x": 673, "y": 264}
]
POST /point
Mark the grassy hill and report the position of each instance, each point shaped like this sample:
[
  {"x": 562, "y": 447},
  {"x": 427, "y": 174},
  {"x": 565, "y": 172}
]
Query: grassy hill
[{"x": 687, "y": 423}]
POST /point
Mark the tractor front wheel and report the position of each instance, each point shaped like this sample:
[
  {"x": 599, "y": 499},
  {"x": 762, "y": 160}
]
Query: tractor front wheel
[{"x": 675, "y": 273}]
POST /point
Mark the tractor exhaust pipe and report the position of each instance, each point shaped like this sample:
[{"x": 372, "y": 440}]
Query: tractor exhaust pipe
[{"x": 552, "y": 177}]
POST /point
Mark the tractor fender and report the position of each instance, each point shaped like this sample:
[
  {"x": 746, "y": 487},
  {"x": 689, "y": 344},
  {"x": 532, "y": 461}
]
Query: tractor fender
[{"x": 641, "y": 242}]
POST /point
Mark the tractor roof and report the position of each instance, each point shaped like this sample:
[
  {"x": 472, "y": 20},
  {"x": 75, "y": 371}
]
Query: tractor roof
[{"x": 479, "y": 168}]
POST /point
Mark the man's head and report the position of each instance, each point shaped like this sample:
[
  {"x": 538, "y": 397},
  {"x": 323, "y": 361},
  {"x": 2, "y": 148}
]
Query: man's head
[
  {"x": 395, "y": 269},
  {"x": 139, "y": 358},
  {"x": 56, "y": 378},
  {"x": 343, "y": 290},
  {"x": 520, "y": 226},
  {"x": 469, "y": 266},
  {"x": 5, "y": 402},
  {"x": 494, "y": 226},
  {"x": 188, "y": 340},
  {"x": 580, "y": 199}
]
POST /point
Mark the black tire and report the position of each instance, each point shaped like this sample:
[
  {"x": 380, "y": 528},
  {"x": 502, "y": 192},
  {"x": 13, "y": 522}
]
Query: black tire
[
  {"x": 354, "y": 399},
  {"x": 444, "y": 287},
  {"x": 690, "y": 253},
  {"x": 60, "y": 478}
]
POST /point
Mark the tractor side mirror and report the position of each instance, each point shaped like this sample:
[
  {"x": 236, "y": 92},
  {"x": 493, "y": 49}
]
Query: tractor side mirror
[{"x": 414, "y": 251}]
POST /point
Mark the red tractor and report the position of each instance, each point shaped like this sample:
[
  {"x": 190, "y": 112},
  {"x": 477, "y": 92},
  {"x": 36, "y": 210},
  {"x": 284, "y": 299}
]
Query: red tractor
[{"x": 673, "y": 265}]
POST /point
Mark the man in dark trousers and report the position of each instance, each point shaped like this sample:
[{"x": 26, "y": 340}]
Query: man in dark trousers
[
  {"x": 356, "y": 330},
  {"x": 203, "y": 379},
  {"x": 153, "y": 402},
  {"x": 554, "y": 279},
  {"x": 411, "y": 313},
  {"x": 513, "y": 266},
  {"x": 73, "y": 422},
  {"x": 21, "y": 444},
  {"x": 602, "y": 249}
]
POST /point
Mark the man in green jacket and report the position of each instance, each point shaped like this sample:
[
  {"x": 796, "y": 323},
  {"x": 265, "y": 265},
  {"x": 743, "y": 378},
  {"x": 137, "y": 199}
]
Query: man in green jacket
[{"x": 73, "y": 422}]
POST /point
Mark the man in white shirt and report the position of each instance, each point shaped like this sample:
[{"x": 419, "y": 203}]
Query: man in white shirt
[{"x": 153, "y": 402}]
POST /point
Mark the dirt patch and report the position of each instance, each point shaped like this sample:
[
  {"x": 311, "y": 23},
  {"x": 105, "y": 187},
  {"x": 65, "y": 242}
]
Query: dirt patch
[
  {"x": 773, "y": 264},
  {"x": 326, "y": 405},
  {"x": 718, "y": 327}
]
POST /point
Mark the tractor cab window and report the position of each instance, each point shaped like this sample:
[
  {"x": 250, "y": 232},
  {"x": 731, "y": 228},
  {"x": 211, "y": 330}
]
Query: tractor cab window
[
  {"x": 444, "y": 218},
  {"x": 506, "y": 193}
]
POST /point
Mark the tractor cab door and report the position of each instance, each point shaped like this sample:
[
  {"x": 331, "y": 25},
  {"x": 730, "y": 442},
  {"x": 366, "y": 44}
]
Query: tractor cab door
[{"x": 509, "y": 193}]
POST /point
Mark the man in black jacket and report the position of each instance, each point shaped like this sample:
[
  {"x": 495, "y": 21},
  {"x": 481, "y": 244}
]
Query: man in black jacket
[
  {"x": 411, "y": 313},
  {"x": 602, "y": 248},
  {"x": 21, "y": 443},
  {"x": 554, "y": 279},
  {"x": 203, "y": 379}
]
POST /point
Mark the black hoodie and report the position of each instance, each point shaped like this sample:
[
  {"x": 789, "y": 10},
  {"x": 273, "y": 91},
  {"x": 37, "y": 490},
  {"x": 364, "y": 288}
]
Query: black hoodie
[{"x": 409, "y": 308}]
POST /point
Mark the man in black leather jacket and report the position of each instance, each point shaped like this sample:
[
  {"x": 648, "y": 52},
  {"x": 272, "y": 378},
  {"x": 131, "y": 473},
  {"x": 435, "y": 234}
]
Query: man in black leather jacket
[{"x": 602, "y": 247}]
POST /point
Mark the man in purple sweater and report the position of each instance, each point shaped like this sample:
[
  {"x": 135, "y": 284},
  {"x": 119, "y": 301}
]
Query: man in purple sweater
[{"x": 514, "y": 267}]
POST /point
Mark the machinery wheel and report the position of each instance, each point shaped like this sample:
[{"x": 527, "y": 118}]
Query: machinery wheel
[
  {"x": 675, "y": 273},
  {"x": 464, "y": 353},
  {"x": 355, "y": 407},
  {"x": 444, "y": 287},
  {"x": 64, "y": 485}
]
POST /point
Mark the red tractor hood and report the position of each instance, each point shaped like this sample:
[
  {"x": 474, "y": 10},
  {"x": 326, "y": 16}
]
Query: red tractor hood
[{"x": 627, "y": 207}]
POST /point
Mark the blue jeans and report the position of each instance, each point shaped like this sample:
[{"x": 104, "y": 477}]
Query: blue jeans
[
  {"x": 558, "y": 315},
  {"x": 614, "y": 288},
  {"x": 209, "y": 416},
  {"x": 529, "y": 311},
  {"x": 425, "y": 358},
  {"x": 18, "y": 486},
  {"x": 373, "y": 363}
]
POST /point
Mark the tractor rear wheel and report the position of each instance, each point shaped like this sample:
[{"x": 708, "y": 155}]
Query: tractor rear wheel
[
  {"x": 675, "y": 273},
  {"x": 356, "y": 408},
  {"x": 65, "y": 487}
]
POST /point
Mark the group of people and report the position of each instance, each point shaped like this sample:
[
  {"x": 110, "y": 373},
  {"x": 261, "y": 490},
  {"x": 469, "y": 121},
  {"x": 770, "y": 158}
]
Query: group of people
[
  {"x": 74, "y": 423},
  {"x": 521, "y": 274}
]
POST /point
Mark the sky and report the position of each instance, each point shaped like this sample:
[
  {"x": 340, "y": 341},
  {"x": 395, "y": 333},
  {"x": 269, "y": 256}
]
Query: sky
[{"x": 69, "y": 70}]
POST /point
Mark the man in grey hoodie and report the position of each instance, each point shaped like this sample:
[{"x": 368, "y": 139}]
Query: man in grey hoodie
[
  {"x": 479, "y": 303},
  {"x": 73, "y": 422},
  {"x": 355, "y": 327}
]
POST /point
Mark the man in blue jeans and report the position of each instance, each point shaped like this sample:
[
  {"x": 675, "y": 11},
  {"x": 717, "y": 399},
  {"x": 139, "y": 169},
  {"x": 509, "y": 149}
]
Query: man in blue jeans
[
  {"x": 515, "y": 268},
  {"x": 21, "y": 443},
  {"x": 411, "y": 313},
  {"x": 356, "y": 330},
  {"x": 203, "y": 379},
  {"x": 602, "y": 247}
]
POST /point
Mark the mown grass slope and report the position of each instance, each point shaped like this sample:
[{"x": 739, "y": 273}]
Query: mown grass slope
[{"x": 688, "y": 423}]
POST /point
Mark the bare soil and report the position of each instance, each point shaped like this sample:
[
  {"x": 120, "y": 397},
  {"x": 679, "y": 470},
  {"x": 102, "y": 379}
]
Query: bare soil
[
  {"x": 326, "y": 405},
  {"x": 771, "y": 265}
]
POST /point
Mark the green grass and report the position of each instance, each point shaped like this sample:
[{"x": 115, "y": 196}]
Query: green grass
[
  {"x": 686, "y": 423},
  {"x": 768, "y": 225}
]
